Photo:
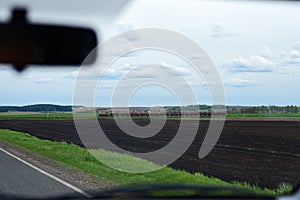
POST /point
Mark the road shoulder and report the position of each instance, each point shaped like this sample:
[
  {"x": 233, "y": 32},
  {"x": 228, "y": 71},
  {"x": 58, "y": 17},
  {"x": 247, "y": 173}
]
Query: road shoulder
[{"x": 86, "y": 182}]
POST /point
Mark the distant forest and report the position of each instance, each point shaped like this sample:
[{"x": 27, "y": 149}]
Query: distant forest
[
  {"x": 271, "y": 109},
  {"x": 264, "y": 109},
  {"x": 201, "y": 108},
  {"x": 36, "y": 108}
]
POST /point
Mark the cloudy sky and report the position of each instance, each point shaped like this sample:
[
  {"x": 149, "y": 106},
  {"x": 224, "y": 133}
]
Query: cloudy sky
[{"x": 254, "y": 46}]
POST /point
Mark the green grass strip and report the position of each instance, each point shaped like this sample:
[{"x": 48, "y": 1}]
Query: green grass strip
[
  {"x": 36, "y": 116},
  {"x": 261, "y": 115}
]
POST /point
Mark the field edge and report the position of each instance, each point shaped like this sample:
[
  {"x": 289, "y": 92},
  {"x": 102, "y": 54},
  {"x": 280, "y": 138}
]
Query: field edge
[{"x": 80, "y": 159}]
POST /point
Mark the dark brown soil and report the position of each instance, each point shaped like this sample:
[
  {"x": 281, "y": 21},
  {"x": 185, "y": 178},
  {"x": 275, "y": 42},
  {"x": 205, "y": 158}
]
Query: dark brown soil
[{"x": 263, "y": 153}]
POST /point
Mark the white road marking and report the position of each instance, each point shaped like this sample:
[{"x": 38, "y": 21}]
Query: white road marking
[{"x": 72, "y": 187}]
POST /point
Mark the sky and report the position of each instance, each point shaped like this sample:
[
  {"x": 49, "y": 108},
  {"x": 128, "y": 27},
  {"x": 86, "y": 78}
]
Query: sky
[{"x": 255, "y": 47}]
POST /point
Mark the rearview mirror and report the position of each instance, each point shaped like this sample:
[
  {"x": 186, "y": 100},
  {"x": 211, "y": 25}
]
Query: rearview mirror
[{"x": 22, "y": 43}]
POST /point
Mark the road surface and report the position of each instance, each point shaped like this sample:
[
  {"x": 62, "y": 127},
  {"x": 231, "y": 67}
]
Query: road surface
[{"x": 20, "y": 178}]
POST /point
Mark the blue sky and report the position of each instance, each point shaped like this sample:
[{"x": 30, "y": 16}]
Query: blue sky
[{"x": 255, "y": 47}]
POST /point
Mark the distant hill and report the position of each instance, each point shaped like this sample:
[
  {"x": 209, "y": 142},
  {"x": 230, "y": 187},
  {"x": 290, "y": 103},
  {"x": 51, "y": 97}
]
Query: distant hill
[{"x": 36, "y": 108}]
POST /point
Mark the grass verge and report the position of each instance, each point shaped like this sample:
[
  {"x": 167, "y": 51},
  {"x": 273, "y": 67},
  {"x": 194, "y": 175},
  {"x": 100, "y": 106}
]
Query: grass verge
[
  {"x": 80, "y": 159},
  {"x": 37, "y": 116}
]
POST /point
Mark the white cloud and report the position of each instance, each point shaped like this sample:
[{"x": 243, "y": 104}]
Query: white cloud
[
  {"x": 291, "y": 57},
  {"x": 122, "y": 27},
  {"x": 120, "y": 45},
  {"x": 266, "y": 51},
  {"x": 143, "y": 73},
  {"x": 43, "y": 80},
  {"x": 296, "y": 45},
  {"x": 239, "y": 82},
  {"x": 267, "y": 61},
  {"x": 198, "y": 59},
  {"x": 219, "y": 31},
  {"x": 148, "y": 72},
  {"x": 178, "y": 69},
  {"x": 5, "y": 67},
  {"x": 127, "y": 25},
  {"x": 255, "y": 63}
]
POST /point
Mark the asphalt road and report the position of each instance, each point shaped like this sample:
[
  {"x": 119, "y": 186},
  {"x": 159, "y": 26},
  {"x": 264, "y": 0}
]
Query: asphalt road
[{"x": 20, "y": 178}]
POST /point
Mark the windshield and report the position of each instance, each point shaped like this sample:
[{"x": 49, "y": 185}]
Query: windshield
[{"x": 183, "y": 93}]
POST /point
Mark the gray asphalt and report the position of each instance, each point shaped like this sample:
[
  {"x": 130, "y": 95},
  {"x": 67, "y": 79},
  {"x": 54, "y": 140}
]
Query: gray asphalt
[{"x": 18, "y": 179}]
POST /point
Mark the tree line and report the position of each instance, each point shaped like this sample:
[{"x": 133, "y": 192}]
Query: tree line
[
  {"x": 271, "y": 109},
  {"x": 264, "y": 109},
  {"x": 207, "y": 108},
  {"x": 36, "y": 108}
]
